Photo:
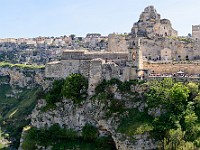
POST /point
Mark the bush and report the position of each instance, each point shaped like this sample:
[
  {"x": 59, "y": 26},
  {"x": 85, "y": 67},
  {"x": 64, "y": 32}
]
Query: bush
[
  {"x": 46, "y": 137},
  {"x": 116, "y": 106},
  {"x": 89, "y": 132},
  {"x": 122, "y": 86},
  {"x": 135, "y": 123},
  {"x": 60, "y": 133},
  {"x": 60, "y": 138},
  {"x": 101, "y": 87}
]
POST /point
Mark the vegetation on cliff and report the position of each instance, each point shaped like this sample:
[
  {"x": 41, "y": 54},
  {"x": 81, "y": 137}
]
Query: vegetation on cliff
[
  {"x": 73, "y": 87},
  {"x": 7, "y": 64},
  {"x": 168, "y": 111},
  {"x": 16, "y": 105},
  {"x": 178, "y": 124},
  {"x": 62, "y": 138},
  {"x": 171, "y": 115}
]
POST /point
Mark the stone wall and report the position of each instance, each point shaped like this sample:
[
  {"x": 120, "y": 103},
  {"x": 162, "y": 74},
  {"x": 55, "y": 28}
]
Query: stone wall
[
  {"x": 168, "y": 68},
  {"x": 80, "y": 62},
  {"x": 166, "y": 54},
  {"x": 53, "y": 69},
  {"x": 117, "y": 43},
  {"x": 180, "y": 50},
  {"x": 86, "y": 55}
]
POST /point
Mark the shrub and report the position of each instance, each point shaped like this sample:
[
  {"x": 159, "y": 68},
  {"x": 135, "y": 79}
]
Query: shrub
[
  {"x": 89, "y": 132},
  {"x": 46, "y": 137},
  {"x": 135, "y": 123},
  {"x": 101, "y": 87},
  {"x": 60, "y": 133},
  {"x": 116, "y": 106}
]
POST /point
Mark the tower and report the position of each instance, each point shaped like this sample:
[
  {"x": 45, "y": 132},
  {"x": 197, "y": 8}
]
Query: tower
[
  {"x": 196, "y": 31},
  {"x": 135, "y": 60}
]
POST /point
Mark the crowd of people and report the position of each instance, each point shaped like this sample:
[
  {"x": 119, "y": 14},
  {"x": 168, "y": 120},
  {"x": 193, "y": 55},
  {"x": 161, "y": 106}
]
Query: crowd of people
[{"x": 178, "y": 74}]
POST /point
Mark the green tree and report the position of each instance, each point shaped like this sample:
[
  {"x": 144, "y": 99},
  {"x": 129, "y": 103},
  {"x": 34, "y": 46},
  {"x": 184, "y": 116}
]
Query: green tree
[
  {"x": 72, "y": 36},
  {"x": 193, "y": 88},
  {"x": 171, "y": 99},
  {"x": 54, "y": 95},
  {"x": 75, "y": 88}
]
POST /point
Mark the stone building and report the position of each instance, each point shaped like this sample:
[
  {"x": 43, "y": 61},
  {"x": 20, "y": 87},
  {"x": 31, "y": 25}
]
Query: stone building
[
  {"x": 196, "y": 31},
  {"x": 95, "y": 41},
  {"x": 151, "y": 38},
  {"x": 157, "y": 34},
  {"x": 117, "y": 43},
  {"x": 97, "y": 66},
  {"x": 166, "y": 54}
]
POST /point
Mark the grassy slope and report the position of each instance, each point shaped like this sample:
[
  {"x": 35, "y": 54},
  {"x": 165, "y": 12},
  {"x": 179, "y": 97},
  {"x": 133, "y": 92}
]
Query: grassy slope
[
  {"x": 14, "y": 110},
  {"x": 7, "y": 64}
]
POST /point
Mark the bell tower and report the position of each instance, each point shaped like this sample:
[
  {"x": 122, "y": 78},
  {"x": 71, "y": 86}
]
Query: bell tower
[{"x": 135, "y": 60}]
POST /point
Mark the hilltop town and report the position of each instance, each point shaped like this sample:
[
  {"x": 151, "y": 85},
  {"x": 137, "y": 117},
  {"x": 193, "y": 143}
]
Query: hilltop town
[
  {"x": 152, "y": 49},
  {"x": 38, "y": 74}
]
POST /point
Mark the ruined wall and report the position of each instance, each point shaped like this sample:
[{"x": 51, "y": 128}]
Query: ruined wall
[
  {"x": 112, "y": 70},
  {"x": 79, "y": 62},
  {"x": 85, "y": 68}
]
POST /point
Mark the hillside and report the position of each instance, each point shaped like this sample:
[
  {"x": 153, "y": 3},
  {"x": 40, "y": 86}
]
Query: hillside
[{"x": 131, "y": 114}]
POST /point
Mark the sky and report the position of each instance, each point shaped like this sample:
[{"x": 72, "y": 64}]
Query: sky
[{"x": 33, "y": 18}]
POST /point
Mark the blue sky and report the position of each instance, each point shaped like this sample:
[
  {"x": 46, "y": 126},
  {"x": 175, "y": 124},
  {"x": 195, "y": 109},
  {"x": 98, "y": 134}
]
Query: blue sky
[{"x": 33, "y": 18}]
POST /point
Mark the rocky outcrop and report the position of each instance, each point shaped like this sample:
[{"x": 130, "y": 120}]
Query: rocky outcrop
[
  {"x": 150, "y": 24},
  {"x": 93, "y": 112},
  {"x": 24, "y": 77}
]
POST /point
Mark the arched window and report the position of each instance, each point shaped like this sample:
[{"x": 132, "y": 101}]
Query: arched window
[{"x": 134, "y": 57}]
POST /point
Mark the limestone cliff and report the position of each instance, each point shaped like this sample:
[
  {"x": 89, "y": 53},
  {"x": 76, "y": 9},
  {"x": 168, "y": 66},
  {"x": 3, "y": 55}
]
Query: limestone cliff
[
  {"x": 95, "y": 111},
  {"x": 19, "y": 87},
  {"x": 24, "y": 77}
]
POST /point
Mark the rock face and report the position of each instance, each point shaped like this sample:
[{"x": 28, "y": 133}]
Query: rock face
[
  {"x": 24, "y": 77},
  {"x": 70, "y": 115},
  {"x": 151, "y": 24}
]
